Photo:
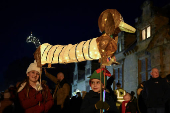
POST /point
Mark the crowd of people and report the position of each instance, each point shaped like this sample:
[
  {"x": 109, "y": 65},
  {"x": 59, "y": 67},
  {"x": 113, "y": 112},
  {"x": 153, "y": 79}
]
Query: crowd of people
[{"x": 34, "y": 96}]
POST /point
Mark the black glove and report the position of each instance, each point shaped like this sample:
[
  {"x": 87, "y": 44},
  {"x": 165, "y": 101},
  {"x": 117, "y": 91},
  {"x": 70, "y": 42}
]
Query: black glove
[
  {"x": 99, "y": 105},
  {"x": 106, "y": 106}
]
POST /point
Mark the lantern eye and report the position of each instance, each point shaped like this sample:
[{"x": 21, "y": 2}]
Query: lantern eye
[{"x": 121, "y": 18}]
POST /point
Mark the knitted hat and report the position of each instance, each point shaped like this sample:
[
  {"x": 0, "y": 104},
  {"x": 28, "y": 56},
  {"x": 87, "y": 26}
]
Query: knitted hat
[
  {"x": 33, "y": 66},
  {"x": 96, "y": 75}
]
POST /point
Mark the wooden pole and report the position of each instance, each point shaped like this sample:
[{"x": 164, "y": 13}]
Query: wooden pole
[
  {"x": 101, "y": 91},
  {"x": 104, "y": 85},
  {"x": 40, "y": 79}
]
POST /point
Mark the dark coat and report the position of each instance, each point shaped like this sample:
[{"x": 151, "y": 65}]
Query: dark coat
[
  {"x": 156, "y": 92},
  {"x": 108, "y": 86},
  {"x": 167, "y": 104},
  {"x": 141, "y": 104},
  {"x": 75, "y": 104},
  {"x": 130, "y": 108},
  {"x": 91, "y": 98}
]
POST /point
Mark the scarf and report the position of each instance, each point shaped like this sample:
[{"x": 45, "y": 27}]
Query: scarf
[{"x": 123, "y": 106}]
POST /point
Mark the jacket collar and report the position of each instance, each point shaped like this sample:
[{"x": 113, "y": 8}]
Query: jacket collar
[
  {"x": 37, "y": 88},
  {"x": 62, "y": 82},
  {"x": 155, "y": 79}
]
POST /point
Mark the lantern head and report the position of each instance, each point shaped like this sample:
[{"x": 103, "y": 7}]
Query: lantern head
[{"x": 110, "y": 23}]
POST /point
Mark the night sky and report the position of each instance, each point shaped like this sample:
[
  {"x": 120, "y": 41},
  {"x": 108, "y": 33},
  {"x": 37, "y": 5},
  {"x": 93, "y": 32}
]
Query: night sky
[{"x": 60, "y": 22}]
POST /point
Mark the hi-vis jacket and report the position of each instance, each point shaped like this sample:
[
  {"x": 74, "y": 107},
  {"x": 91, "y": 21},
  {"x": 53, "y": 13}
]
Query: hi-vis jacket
[{"x": 120, "y": 93}]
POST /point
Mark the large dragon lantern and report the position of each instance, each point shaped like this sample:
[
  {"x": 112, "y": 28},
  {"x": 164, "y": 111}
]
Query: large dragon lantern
[{"x": 110, "y": 23}]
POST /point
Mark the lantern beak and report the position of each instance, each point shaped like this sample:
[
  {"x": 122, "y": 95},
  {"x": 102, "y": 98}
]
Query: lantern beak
[{"x": 127, "y": 28}]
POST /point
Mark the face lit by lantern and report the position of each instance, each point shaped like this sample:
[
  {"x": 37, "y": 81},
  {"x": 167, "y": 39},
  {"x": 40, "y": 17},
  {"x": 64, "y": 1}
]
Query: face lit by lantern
[
  {"x": 95, "y": 85},
  {"x": 33, "y": 76}
]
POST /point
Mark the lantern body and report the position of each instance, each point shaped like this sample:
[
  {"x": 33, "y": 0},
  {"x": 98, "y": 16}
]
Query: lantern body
[{"x": 85, "y": 50}]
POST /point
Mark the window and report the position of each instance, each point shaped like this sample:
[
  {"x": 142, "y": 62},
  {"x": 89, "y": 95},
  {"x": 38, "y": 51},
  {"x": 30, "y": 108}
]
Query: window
[
  {"x": 119, "y": 47},
  {"x": 88, "y": 71},
  {"x": 149, "y": 67},
  {"x": 143, "y": 34},
  {"x": 88, "y": 88},
  {"x": 118, "y": 76},
  {"x": 144, "y": 69},
  {"x": 81, "y": 75},
  {"x": 75, "y": 77},
  {"x": 146, "y": 33}
]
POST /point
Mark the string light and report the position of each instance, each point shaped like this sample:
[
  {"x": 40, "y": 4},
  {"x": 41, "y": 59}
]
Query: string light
[{"x": 33, "y": 40}]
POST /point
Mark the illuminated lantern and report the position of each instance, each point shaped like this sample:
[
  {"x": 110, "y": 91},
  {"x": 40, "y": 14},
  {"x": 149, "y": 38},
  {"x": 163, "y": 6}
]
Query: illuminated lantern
[
  {"x": 110, "y": 23},
  {"x": 66, "y": 56},
  {"x": 85, "y": 50}
]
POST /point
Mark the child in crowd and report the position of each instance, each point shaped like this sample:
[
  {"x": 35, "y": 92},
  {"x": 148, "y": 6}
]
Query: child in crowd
[
  {"x": 127, "y": 105},
  {"x": 33, "y": 96},
  {"x": 91, "y": 102},
  {"x": 6, "y": 105}
]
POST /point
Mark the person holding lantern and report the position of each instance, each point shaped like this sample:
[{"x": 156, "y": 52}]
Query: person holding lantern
[
  {"x": 34, "y": 97},
  {"x": 92, "y": 102},
  {"x": 61, "y": 92}
]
